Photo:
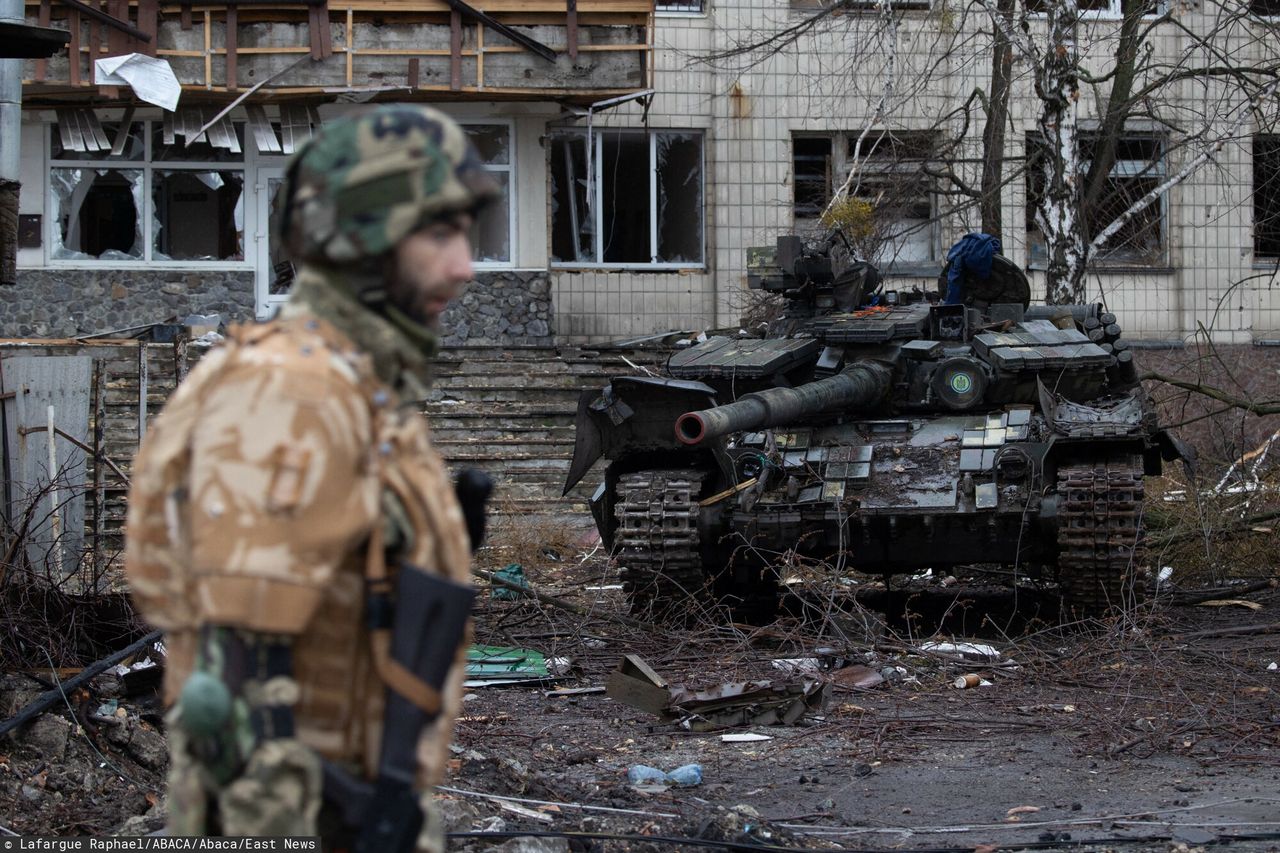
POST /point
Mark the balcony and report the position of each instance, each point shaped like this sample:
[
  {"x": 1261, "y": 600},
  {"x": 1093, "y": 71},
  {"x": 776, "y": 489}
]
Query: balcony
[{"x": 571, "y": 50}]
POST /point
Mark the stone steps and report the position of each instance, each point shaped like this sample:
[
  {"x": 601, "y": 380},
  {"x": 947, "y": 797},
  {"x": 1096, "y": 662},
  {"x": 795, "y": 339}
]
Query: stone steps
[{"x": 511, "y": 412}]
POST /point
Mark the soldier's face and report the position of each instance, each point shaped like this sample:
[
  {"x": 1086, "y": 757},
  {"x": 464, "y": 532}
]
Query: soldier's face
[{"x": 431, "y": 265}]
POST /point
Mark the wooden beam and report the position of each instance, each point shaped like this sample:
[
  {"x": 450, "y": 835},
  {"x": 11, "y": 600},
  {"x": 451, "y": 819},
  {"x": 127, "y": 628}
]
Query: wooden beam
[
  {"x": 208, "y": 51},
  {"x": 102, "y": 16},
  {"x": 571, "y": 28},
  {"x": 492, "y": 23},
  {"x": 42, "y": 19},
  {"x": 148, "y": 22},
  {"x": 455, "y": 50},
  {"x": 73, "y": 49},
  {"x": 413, "y": 73},
  {"x": 350, "y": 42},
  {"x": 318, "y": 20},
  {"x": 186, "y": 18},
  {"x": 95, "y": 41},
  {"x": 232, "y": 39},
  {"x": 117, "y": 41}
]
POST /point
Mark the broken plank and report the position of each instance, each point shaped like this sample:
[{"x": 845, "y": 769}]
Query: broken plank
[{"x": 47, "y": 699}]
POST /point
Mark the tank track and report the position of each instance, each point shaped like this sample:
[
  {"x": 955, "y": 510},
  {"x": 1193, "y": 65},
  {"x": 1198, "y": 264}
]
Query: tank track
[
  {"x": 1099, "y": 533},
  {"x": 659, "y": 548}
]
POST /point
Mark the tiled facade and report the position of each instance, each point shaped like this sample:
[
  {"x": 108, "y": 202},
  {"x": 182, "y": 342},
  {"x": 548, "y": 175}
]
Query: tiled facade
[
  {"x": 748, "y": 109},
  {"x": 832, "y": 80}
]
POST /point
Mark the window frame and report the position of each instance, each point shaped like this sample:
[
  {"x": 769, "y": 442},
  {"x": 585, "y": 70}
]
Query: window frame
[
  {"x": 595, "y": 139},
  {"x": 148, "y": 167},
  {"x": 841, "y": 142},
  {"x": 512, "y": 201},
  {"x": 1108, "y": 261},
  {"x": 863, "y": 7},
  {"x": 1113, "y": 12},
  {"x": 700, "y": 12},
  {"x": 1261, "y": 260}
]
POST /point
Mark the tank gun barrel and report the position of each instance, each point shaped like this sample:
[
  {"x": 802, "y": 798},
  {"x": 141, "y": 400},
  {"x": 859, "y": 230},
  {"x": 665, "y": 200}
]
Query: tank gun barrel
[{"x": 858, "y": 386}]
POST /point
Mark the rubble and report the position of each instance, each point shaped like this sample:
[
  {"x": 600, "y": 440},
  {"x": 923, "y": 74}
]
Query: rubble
[{"x": 741, "y": 703}]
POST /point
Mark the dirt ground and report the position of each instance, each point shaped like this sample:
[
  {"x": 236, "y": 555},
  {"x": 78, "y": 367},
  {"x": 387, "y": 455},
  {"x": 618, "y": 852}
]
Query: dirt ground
[
  {"x": 1134, "y": 733},
  {"x": 1154, "y": 730},
  {"x": 1113, "y": 732}
]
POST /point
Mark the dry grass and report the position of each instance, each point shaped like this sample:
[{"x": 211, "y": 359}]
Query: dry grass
[{"x": 1222, "y": 523}]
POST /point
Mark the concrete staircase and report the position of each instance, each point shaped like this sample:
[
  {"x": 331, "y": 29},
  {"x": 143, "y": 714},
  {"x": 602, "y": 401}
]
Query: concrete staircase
[{"x": 510, "y": 413}]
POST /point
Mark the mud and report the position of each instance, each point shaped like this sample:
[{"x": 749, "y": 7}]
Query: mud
[{"x": 1117, "y": 734}]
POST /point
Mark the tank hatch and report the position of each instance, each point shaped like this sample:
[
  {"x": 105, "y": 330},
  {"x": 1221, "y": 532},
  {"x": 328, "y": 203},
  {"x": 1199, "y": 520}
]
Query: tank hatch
[{"x": 744, "y": 359}]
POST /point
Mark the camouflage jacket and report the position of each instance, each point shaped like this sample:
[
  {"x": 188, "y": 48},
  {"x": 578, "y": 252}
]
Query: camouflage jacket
[{"x": 255, "y": 495}]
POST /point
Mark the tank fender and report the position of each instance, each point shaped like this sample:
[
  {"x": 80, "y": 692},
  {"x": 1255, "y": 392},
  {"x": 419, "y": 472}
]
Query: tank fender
[{"x": 632, "y": 414}]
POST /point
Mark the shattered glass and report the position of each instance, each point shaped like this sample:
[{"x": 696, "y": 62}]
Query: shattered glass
[
  {"x": 625, "y": 197},
  {"x": 572, "y": 220},
  {"x": 492, "y": 141},
  {"x": 95, "y": 212},
  {"x": 679, "y": 168},
  {"x": 214, "y": 199},
  {"x": 491, "y": 232}
]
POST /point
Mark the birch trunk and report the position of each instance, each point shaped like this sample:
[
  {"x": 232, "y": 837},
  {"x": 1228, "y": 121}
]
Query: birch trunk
[{"x": 1059, "y": 214}]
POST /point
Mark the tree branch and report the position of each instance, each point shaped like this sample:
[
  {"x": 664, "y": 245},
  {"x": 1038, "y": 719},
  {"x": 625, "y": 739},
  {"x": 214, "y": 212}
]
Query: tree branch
[{"x": 1268, "y": 407}]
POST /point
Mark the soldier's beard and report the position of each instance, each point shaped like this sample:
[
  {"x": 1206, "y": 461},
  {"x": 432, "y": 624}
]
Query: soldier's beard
[{"x": 413, "y": 297}]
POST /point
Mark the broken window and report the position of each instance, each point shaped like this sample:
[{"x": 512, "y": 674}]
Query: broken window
[
  {"x": 811, "y": 157},
  {"x": 95, "y": 214},
  {"x": 162, "y": 207},
  {"x": 1139, "y": 168},
  {"x": 1266, "y": 197},
  {"x": 888, "y": 212},
  {"x": 213, "y": 199},
  {"x": 492, "y": 231},
  {"x": 630, "y": 198}
]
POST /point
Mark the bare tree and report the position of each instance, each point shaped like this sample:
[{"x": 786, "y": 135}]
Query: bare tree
[{"x": 1165, "y": 94}]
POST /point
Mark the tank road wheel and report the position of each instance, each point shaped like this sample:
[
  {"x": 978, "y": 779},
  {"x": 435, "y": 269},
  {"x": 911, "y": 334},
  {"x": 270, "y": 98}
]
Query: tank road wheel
[
  {"x": 658, "y": 543},
  {"x": 1099, "y": 533}
]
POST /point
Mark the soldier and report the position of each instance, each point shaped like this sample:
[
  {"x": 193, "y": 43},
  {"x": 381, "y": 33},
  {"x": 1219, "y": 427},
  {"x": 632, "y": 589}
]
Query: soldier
[{"x": 290, "y": 527}]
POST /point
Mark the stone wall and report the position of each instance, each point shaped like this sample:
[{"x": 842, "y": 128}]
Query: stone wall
[
  {"x": 54, "y": 303},
  {"x": 501, "y": 308}
]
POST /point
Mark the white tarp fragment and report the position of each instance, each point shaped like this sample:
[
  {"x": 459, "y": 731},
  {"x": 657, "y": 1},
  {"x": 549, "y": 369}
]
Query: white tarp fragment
[{"x": 151, "y": 78}]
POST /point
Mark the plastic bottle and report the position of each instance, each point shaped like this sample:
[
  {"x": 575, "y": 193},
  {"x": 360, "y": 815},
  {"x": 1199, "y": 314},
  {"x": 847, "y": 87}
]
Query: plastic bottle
[
  {"x": 643, "y": 774},
  {"x": 687, "y": 776}
]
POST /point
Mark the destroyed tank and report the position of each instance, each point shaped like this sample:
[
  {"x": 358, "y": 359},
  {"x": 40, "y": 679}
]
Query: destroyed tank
[{"x": 880, "y": 431}]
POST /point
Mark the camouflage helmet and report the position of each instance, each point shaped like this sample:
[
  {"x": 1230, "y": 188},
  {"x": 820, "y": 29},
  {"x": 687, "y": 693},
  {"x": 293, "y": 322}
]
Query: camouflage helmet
[{"x": 366, "y": 182}]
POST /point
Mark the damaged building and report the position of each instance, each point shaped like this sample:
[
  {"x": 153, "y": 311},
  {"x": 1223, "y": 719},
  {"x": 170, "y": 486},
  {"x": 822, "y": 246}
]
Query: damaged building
[
  {"x": 153, "y": 147},
  {"x": 640, "y": 157}
]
